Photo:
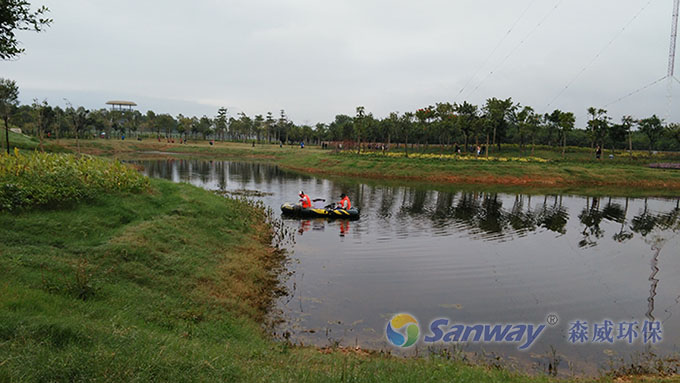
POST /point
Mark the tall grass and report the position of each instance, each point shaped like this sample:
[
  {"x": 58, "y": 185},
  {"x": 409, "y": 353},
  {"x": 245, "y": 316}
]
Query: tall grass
[{"x": 47, "y": 179}]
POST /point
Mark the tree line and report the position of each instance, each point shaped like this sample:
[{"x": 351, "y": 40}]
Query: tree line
[{"x": 496, "y": 122}]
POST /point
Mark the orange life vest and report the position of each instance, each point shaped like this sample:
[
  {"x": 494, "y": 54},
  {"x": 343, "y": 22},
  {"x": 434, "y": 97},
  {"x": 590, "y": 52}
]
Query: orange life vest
[
  {"x": 345, "y": 203},
  {"x": 306, "y": 202}
]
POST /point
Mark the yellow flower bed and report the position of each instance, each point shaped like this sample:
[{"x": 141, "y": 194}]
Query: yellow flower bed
[{"x": 452, "y": 157}]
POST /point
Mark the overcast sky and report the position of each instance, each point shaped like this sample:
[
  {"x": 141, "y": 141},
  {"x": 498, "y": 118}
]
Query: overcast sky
[{"x": 316, "y": 59}]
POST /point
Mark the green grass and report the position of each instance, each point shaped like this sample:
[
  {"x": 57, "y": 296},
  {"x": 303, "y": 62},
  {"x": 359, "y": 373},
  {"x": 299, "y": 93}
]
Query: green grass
[
  {"x": 163, "y": 286},
  {"x": 169, "y": 285},
  {"x": 25, "y": 142}
]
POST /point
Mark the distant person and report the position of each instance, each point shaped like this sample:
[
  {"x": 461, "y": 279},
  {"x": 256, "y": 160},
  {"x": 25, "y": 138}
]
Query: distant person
[
  {"x": 479, "y": 150},
  {"x": 598, "y": 152},
  {"x": 305, "y": 201},
  {"x": 302, "y": 144},
  {"x": 344, "y": 202}
]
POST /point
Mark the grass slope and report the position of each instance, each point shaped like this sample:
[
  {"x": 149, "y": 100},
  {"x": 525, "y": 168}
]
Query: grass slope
[
  {"x": 25, "y": 142},
  {"x": 162, "y": 286}
]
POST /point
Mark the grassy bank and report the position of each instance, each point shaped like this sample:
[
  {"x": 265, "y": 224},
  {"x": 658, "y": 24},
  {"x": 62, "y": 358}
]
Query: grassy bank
[
  {"x": 546, "y": 170},
  {"x": 162, "y": 286},
  {"x": 168, "y": 283},
  {"x": 24, "y": 142}
]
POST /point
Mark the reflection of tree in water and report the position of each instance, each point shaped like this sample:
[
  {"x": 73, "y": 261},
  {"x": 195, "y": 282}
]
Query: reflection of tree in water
[
  {"x": 414, "y": 202},
  {"x": 520, "y": 220},
  {"x": 492, "y": 219},
  {"x": 467, "y": 209},
  {"x": 389, "y": 195},
  {"x": 553, "y": 217},
  {"x": 623, "y": 235},
  {"x": 443, "y": 209},
  {"x": 479, "y": 212},
  {"x": 645, "y": 222},
  {"x": 591, "y": 217}
]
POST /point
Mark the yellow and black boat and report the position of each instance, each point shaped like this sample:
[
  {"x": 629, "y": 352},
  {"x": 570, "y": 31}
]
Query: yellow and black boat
[{"x": 296, "y": 210}]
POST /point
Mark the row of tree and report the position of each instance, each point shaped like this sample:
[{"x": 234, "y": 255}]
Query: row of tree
[{"x": 497, "y": 122}]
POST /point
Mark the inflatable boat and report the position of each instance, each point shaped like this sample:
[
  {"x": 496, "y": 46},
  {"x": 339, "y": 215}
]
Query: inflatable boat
[{"x": 296, "y": 210}]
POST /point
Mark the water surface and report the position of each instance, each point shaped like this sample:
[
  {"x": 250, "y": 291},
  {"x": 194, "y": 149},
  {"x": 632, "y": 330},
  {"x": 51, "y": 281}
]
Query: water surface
[{"x": 473, "y": 257}]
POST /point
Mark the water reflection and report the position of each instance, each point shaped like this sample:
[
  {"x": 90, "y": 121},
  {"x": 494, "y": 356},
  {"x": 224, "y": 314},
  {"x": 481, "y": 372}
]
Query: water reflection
[
  {"x": 477, "y": 256},
  {"x": 487, "y": 216}
]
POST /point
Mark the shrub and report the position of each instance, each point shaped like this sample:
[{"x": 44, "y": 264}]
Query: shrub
[{"x": 46, "y": 179}]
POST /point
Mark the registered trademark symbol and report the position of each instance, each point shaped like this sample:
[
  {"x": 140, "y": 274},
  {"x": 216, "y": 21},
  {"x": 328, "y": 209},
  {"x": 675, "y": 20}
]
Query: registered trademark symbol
[{"x": 552, "y": 319}]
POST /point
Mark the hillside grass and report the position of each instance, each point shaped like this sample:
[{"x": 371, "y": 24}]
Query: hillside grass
[
  {"x": 170, "y": 285},
  {"x": 25, "y": 142}
]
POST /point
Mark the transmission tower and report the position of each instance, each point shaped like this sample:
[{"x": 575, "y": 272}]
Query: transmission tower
[{"x": 671, "y": 57}]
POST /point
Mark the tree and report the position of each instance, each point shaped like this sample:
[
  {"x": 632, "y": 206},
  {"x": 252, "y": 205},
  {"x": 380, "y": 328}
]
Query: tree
[
  {"x": 16, "y": 15},
  {"x": 406, "y": 125},
  {"x": 498, "y": 118},
  {"x": 9, "y": 99},
  {"x": 221, "y": 122},
  {"x": 359, "y": 125},
  {"x": 673, "y": 131},
  {"x": 151, "y": 122},
  {"x": 79, "y": 120},
  {"x": 652, "y": 127},
  {"x": 566, "y": 124},
  {"x": 166, "y": 123},
  {"x": 258, "y": 124},
  {"x": 599, "y": 126},
  {"x": 467, "y": 119},
  {"x": 527, "y": 125},
  {"x": 46, "y": 117},
  {"x": 627, "y": 122}
]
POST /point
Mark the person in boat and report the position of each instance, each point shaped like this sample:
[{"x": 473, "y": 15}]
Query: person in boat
[
  {"x": 344, "y": 202},
  {"x": 305, "y": 201}
]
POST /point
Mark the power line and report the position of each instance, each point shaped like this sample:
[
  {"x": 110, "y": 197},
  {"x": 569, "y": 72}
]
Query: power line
[
  {"x": 516, "y": 47},
  {"x": 636, "y": 91},
  {"x": 619, "y": 33},
  {"x": 497, "y": 46}
]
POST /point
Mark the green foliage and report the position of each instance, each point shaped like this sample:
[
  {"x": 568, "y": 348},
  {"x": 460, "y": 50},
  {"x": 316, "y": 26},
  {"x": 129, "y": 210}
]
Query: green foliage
[
  {"x": 652, "y": 127},
  {"x": 44, "y": 179},
  {"x": 16, "y": 15}
]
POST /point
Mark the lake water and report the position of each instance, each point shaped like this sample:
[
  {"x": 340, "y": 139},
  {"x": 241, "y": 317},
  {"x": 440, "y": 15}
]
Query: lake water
[{"x": 469, "y": 256}]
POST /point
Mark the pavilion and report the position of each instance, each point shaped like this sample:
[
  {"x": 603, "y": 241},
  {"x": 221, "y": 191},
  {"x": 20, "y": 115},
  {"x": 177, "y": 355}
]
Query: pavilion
[{"x": 121, "y": 105}]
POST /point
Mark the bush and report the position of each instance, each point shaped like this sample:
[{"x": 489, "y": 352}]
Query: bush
[{"x": 45, "y": 179}]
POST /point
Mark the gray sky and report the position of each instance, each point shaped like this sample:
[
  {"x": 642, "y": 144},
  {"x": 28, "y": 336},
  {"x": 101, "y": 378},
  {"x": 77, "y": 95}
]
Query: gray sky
[{"x": 316, "y": 59}]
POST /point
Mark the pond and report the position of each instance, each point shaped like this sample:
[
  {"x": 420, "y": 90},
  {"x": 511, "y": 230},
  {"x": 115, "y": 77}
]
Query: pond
[{"x": 472, "y": 257}]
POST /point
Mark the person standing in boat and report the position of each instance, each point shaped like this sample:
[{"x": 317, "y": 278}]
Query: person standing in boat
[
  {"x": 344, "y": 202},
  {"x": 305, "y": 200}
]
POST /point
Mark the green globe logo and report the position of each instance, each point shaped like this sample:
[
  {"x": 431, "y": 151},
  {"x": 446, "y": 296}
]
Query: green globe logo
[{"x": 398, "y": 322}]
